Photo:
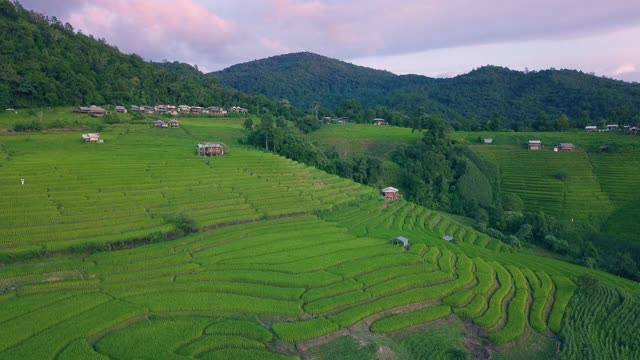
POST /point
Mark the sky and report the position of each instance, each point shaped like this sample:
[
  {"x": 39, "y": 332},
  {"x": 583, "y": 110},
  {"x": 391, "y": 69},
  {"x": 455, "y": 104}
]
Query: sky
[{"x": 438, "y": 38}]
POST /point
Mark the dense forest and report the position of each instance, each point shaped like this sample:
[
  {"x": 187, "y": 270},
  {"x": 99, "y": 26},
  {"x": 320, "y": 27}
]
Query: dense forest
[
  {"x": 488, "y": 94},
  {"x": 47, "y": 63}
]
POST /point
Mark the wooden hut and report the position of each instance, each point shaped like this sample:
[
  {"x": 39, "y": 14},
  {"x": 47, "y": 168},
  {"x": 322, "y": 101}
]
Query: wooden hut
[
  {"x": 400, "y": 240},
  {"x": 160, "y": 124},
  {"x": 174, "y": 123},
  {"x": 535, "y": 145},
  {"x": 121, "y": 109},
  {"x": 210, "y": 149},
  {"x": 378, "y": 121},
  {"x": 566, "y": 147},
  {"x": 91, "y": 138},
  {"x": 390, "y": 193}
]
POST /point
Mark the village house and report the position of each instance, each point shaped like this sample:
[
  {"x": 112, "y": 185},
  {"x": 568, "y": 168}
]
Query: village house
[
  {"x": 390, "y": 193},
  {"x": 488, "y": 140},
  {"x": 210, "y": 149},
  {"x": 343, "y": 120},
  {"x": 136, "y": 108},
  {"x": 535, "y": 145},
  {"x": 196, "y": 109},
  {"x": 326, "y": 120},
  {"x": 174, "y": 123},
  {"x": 121, "y": 109},
  {"x": 184, "y": 108},
  {"x": 214, "y": 110},
  {"x": 400, "y": 240},
  {"x": 237, "y": 109},
  {"x": 378, "y": 121},
  {"x": 91, "y": 138},
  {"x": 613, "y": 127},
  {"x": 160, "y": 124},
  {"x": 92, "y": 110},
  {"x": 149, "y": 109},
  {"x": 633, "y": 130},
  {"x": 591, "y": 128}
]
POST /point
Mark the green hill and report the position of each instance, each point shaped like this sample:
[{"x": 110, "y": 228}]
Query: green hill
[{"x": 476, "y": 97}]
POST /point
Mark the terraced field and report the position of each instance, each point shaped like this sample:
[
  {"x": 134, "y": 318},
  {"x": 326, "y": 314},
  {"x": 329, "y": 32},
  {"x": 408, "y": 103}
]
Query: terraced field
[
  {"x": 288, "y": 257},
  {"x": 77, "y": 194},
  {"x": 560, "y": 184}
]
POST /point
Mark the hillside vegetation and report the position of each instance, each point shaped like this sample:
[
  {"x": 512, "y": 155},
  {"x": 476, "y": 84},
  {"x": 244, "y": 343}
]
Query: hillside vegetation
[
  {"x": 476, "y": 97},
  {"x": 47, "y": 63}
]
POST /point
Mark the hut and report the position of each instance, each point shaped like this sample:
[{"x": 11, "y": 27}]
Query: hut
[
  {"x": 184, "y": 108},
  {"x": 447, "y": 238},
  {"x": 91, "y": 138},
  {"x": 196, "y": 109},
  {"x": 210, "y": 149},
  {"x": 488, "y": 140},
  {"x": 613, "y": 127},
  {"x": 160, "y": 124},
  {"x": 378, "y": 121},
  {"x": 535, "y": 145},
  {"x": 400, "y": 240},
  {"x": 390, "y": 193},
  {"x": 174, "y": 123},
  {"x": 96, "y": 111},
  {"x": 566, "y": 147},
  {"x": 590, "y": 128},
  {"x": 121, "y": 109}
]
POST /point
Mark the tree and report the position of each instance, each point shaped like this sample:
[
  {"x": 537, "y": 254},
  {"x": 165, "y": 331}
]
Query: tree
[
  {"x": 248, "y": 124},
  {"x": 562, "y": 124}
]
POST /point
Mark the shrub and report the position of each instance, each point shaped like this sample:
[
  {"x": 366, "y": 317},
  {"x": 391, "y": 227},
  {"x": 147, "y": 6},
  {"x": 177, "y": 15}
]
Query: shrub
[{"x": 185, "y": 223}]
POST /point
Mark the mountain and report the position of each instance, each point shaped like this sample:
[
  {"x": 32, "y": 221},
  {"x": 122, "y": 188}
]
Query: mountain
[
  {"x": 47, "y": 63},
  {"x": 483, "y": 94}
]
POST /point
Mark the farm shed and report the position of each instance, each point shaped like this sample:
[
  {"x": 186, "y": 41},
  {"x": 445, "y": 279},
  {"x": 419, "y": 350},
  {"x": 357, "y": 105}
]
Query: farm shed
[
  {"x": 488, "y": 140},
  {"x": 210, "y": 149},
  {"x": 378, "y": 121},
  {"x": 566, "y": 147},
  {"x": 196, "y": 109},
  {"x": 447, "y": 238},
  {"x": 613, "y": 127},
  {"x": 174, "y": 123},
  {"x": 237, "y": 109},
  {"x": 591, "y": 128},
  {"x": 121, "y": 109},
  {"x": 214, "y": 110},
  {"x": 91, "y": 137},
  {"x": 390, "y": 193},
  {"x": 184, "y": 108},
  {"x": 160, "y": 124},
  {"x": 96, "y": 111},
  {"x": 535, "y": 145},
  {"x": 400, "y": 240}
]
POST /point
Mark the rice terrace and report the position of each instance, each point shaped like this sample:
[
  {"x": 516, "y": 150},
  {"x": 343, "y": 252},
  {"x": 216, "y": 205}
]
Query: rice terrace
[{"x": 301, "y": 207}]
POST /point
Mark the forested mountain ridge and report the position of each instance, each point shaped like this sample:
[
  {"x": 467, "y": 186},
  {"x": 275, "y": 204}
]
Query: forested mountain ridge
[
  {"x": 482, "y": 94},
  {"x": 48, "y": 63}
]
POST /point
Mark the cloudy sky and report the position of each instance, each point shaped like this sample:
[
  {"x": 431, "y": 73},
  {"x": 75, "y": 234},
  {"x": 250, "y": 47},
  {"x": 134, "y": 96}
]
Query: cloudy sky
[{"x": 429, "y": 37}]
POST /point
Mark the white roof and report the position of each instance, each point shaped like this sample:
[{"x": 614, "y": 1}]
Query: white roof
[
  {"x": 205, "y": 145},
  {"x": 535, "y": 142},
  {"x": 590, "y": 127},
  {"x": 389, "y": 189},
  {"x": 447, "y": 238}
]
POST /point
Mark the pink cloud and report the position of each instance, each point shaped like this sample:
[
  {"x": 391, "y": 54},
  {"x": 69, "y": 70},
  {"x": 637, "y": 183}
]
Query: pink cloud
[
  {"x": 154, "y": 27},
  {"x": 624, "y": 69},
  {"x": 274, "y": 46},
  {"x": 299, "y": 8}
]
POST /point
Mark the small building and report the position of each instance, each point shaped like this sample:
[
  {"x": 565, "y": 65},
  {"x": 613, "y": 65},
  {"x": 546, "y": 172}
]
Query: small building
[
  {"x": 174, "y": 123},
  {"x": 390, "y": 193},
  {"x": 121, "y": 109},
  {"x": 378, "y": 121},
  {"x": 184, "y": 108},
  {"x": 136, "y": 108},
  {"x": 238, "y": 109},
  {"x": 83, "y": 109},
  {"x": 343, "y": 120},
  {"x": 488, "y": 140},
  {"x": 447, "y": 238},
  {"x": 210, "y": 149},
  {"x": 214, "y": 110},
  {"x": 633, "y": 130},
  {"x": 535, "y": 145},
  {"x": 566, "y": 147},
  {"x": 196, "y": 109},
  {"x": 160, "y": 124},
  {"x": 91, "y": 138},
  {"x": 97, "y": 111},
  {"x": 326, "y": 120},
  {"x": 400, "y": 240},
  {"x": 613, "y": 127},
  {"x": 149, "y": 109},
  {"x": 591, "y": 128}
]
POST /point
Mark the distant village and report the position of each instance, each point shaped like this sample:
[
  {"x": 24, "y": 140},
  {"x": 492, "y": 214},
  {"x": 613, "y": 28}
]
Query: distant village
[{"x": 162, "y": 109}]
